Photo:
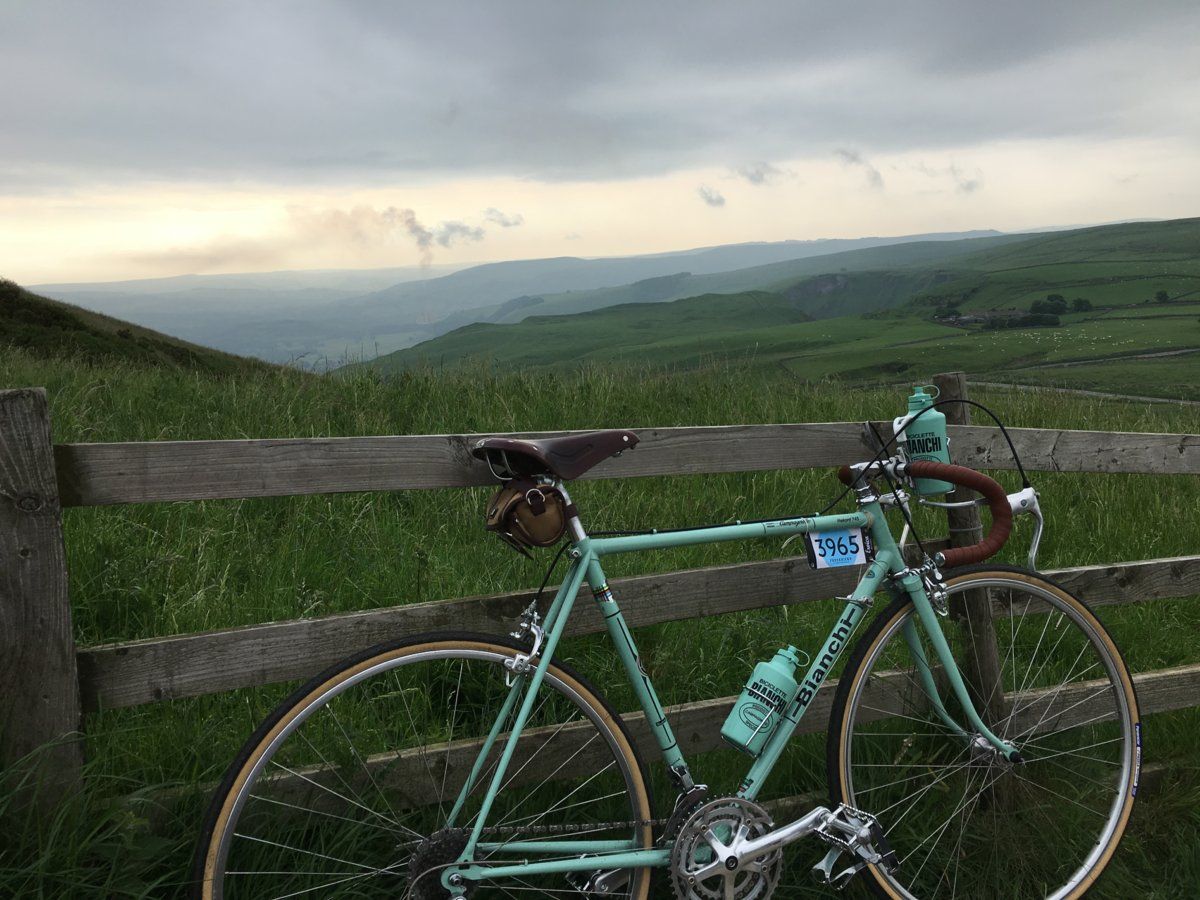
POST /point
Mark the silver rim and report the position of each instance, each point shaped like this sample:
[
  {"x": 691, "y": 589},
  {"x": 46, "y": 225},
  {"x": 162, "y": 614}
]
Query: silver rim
[
  {"x": 953, "y": 811},
  {"x": 396, "y": 797}
]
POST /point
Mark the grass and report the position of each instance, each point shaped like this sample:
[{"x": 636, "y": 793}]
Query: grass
[{"x": 150, "y": 570}]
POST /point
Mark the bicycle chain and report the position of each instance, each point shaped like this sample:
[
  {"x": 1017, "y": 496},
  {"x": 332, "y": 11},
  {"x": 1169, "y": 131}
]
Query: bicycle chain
[{"x": 582, "y": 827}]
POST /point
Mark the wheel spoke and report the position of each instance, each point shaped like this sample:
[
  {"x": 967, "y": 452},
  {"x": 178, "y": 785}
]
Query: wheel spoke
[{"x": 335, "y": 804}]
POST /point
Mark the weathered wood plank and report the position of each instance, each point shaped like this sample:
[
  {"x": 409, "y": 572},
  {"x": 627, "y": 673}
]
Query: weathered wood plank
[
  {"x": 1165, "y": 690},
  {"x": 189, "y": 665},
  {"x": 417, "y": 777},
  {"x": 420, "y": 777},
  {"x": 100, "y": 474},
  {"x": 1113, "y": 584},
  {"x": 39, "y": 684},
  {"x": 1061, "y": 450},
  {"x": 137, "y": 672}
]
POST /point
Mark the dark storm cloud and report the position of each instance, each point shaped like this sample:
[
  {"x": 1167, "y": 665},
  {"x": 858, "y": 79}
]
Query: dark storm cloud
[
  {"x": 314, "y": 91},
  {"x": 710, "y": 196}
]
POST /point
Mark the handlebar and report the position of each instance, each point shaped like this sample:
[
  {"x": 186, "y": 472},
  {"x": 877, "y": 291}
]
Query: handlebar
[
  {"x": 993, "y": 493},
  {"x": 997, "y": 500}
]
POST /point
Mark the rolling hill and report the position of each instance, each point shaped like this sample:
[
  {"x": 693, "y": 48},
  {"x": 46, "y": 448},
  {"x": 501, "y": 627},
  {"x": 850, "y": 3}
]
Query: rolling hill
[
  {"x": 908, "y": 316},
  {"x": 904, "y": 254},
  {"x": 286, "y": 316},
  {"x": 49, "y": 328}
]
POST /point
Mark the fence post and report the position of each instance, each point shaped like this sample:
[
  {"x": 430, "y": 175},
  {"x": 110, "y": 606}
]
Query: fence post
[
  {"x": 39, "y": 683},
  {"x": 974, "y": 608}
]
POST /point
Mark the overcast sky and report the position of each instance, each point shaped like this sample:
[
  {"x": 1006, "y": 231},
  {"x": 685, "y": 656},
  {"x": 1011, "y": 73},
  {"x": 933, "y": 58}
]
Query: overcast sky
[{"x": 155, "y": 138}]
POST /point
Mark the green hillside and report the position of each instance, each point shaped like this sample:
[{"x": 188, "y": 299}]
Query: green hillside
[
  {"x": 49, "y": 328},
  {"x": 1111, "y": 265},
  {"x": 1141, "y": 284},
  {"x": 773, "y": 276},
  {"x": 682, "y": 332}
]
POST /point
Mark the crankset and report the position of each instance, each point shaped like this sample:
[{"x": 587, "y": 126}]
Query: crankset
[{"x": 706, "y": 863}]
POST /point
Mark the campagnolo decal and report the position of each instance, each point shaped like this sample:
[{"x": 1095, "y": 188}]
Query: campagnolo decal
[
  {"x": 1137, "y": 760},
  {"x": 787, "y": 524}
]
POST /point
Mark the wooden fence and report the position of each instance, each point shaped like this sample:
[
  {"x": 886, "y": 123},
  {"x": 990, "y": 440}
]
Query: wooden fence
[{"x": 47, "y": 684}]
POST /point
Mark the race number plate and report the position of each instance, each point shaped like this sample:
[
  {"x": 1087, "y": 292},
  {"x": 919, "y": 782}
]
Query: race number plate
[{"x": 833, "y": 549}]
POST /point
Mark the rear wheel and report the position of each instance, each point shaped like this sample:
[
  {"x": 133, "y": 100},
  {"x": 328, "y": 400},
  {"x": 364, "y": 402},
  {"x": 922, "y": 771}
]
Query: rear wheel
[
  {"x": 349, "y": 788},
  {"x": 963, "y": 821}
]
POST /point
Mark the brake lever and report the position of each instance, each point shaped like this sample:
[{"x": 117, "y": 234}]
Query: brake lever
[
  {"x": 1026, "y": 501},
  {"x": 1023, "y": 502}
]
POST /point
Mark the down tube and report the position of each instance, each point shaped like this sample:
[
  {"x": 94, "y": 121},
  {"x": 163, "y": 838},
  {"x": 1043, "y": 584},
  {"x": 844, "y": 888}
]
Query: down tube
[{"x": 835, "y": 644}]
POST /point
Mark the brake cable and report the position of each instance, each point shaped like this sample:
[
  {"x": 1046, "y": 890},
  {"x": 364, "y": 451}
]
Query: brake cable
[
  {"x": 904, "y": 511},
  {"x": 885, "y": 446}
]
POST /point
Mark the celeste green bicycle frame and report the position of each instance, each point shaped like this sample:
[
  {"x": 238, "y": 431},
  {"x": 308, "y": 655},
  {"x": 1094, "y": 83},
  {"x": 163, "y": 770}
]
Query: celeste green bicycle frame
[{"x": 886, "y": 569}]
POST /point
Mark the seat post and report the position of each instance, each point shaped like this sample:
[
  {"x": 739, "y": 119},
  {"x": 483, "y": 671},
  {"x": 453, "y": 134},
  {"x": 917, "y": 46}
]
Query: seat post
[{"x": 574, "y": 526}]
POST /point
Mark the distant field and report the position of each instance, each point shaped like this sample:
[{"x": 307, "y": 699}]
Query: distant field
[
  {"x": 148, "y": 570},
  {"x": 689, "y": 335},
  {"x": 1175, "y": 376},
  {"x": 874, "y": 324}
]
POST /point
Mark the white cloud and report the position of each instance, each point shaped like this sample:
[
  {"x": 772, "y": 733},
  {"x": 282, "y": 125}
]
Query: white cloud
[{"x": 495, "y": 216}]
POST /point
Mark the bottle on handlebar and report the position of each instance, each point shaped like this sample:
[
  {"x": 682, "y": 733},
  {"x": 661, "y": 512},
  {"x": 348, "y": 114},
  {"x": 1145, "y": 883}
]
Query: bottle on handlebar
[{"x": 925, "y": 439}]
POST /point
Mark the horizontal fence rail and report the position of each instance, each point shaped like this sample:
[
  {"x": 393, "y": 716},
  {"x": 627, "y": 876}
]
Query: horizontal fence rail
[
  {"x": 104, "y": 474},
  {"x": 132, "y": 673},
  {"x": 138, "y": 672}
]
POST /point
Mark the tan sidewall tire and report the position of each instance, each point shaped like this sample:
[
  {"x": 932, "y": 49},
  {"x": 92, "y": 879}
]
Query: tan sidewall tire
[
  {"x": 869, "y": 643},
  {"x": 321, "y": 686}
]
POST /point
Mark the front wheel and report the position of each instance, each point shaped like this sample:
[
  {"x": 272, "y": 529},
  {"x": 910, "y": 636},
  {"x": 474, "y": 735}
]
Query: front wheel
[
  {"x": 366, "y": 781},
  {"x": 964, "y": 821}
]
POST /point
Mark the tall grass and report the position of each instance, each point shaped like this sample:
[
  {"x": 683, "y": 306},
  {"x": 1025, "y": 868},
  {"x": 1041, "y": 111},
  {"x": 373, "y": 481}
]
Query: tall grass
[{"x": 151, "y": 570}]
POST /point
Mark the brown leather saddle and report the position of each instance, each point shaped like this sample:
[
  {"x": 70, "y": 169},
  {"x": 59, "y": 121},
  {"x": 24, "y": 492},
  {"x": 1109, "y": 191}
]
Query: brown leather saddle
[{"x": 564, "y": 457}]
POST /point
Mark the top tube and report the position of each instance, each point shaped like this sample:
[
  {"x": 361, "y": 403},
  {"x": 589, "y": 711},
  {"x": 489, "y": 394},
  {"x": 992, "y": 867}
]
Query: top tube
[{"x": 717, "y": 533}]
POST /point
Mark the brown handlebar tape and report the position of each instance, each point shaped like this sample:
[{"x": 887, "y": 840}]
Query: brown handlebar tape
[{"x": 991, "y": 490}]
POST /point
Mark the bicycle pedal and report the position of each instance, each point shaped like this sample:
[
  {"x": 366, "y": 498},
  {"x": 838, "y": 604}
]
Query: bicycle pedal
[
  {"x": 881, "y": 845},
  {"x": 850, "y": 830},
  {"x": 823, "y": 871}
]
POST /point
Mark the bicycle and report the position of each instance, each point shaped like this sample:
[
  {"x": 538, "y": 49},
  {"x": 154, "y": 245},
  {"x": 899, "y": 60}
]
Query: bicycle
[{"x": 456, "y": 765}]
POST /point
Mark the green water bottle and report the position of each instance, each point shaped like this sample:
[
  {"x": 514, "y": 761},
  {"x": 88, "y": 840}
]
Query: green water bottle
[
  {"x": 759, "y": 709},
  {"x": 925, "y": 438}
]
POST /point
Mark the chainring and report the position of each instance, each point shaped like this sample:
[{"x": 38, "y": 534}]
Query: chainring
[{"x": 693, "y": 874}]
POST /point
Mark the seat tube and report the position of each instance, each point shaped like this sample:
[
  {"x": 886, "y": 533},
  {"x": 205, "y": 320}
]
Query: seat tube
[{"x": 627, "y": 650}]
